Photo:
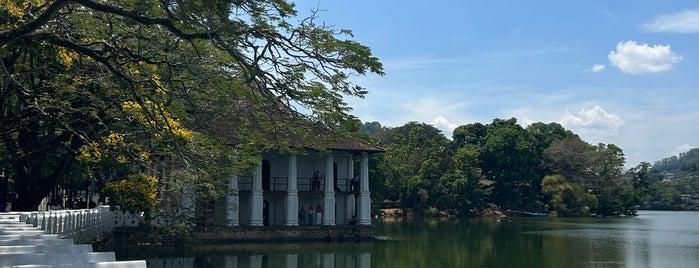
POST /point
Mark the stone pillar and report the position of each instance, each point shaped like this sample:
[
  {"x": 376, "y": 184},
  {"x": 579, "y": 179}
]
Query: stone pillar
[
  {"x": 365, "y": 260},
  {"x": 188, "y": 201},
  {"x": 291, "y": 260},
  {"x": 233, "y": 202},
  {"x": 329, "y": 193},
  {"x": 256, "y": 261},
  {"x": 256, "y": 198},
  {"x": 328, "y": 260},
  {"x": 292, "y": 194},
  {"x": 364, "y": 199},
  {"x": 231, "y": 261}
]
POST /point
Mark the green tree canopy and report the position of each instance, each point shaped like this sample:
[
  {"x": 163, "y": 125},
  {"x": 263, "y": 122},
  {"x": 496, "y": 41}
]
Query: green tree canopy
[
  {"x": 509, "y": 158},
  {"x": 414, "y": 162},
  {"x": 75, "y": 74}
]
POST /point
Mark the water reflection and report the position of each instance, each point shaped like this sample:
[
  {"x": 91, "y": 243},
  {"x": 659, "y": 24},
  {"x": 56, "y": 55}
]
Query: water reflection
[
  {"x": 268, "y": 255},
  {"x": 653, "y": 239}
]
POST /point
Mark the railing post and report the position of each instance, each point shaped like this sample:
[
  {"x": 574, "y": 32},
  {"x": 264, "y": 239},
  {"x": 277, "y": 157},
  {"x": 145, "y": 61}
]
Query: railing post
[
  {"x": 52, "y": 223},
  {"x": 43, "y": 220},
  {"x": 81, "y": 225},
  {"x": 60, "y": 222}
]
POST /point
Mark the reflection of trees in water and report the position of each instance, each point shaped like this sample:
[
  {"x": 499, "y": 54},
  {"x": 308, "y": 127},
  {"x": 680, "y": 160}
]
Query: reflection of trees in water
[
  {"x": 248, "y": 259},
  {"x": 662, "y": 239},
  {"x": 559, "y": 242},
  {"x": 307, "y": 254},
  {"x": 436, "y": 242}
]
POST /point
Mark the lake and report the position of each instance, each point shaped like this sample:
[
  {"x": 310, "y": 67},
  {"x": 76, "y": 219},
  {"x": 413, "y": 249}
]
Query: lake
[{"x": 652, "y": 239}]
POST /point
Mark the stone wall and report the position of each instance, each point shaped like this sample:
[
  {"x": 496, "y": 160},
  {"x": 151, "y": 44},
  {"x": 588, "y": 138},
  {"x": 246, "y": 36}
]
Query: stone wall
[{"x": 343, "y": 233}]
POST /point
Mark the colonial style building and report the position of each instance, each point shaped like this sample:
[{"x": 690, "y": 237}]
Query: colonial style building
[{"x": 286, "y": 188}]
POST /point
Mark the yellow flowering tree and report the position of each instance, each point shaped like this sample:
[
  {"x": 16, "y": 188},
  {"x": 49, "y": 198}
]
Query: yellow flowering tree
[
  {"x": 99, "y": 84},
  {"x": 136, "y": 194}
]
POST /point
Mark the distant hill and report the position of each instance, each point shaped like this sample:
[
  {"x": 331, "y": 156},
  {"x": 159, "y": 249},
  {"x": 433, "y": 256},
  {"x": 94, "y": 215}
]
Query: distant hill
[
  {"x": 684, "y": 167},
  {"x": 674, "y": 183}
]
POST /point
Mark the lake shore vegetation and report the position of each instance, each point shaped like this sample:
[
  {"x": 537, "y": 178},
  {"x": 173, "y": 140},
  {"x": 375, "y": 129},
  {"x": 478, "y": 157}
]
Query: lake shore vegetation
[{"x": 502, "y": 166}]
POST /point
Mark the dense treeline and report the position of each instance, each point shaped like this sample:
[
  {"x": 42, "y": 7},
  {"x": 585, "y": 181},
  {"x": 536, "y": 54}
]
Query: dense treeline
[
  {"x": 538, "y": 168},
  {"x": 674, "y": 182}
]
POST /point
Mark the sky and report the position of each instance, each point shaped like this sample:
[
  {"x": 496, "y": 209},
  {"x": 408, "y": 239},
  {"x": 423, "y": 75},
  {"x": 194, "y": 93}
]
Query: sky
[{"x": 614, "y": 72}]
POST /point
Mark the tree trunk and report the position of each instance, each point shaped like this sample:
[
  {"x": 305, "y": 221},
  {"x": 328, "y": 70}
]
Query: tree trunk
[{"x": 32, "y": 186}]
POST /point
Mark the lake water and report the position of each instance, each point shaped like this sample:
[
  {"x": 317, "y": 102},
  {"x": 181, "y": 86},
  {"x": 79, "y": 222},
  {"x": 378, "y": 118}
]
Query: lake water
[{"x": 652, "y": 239}]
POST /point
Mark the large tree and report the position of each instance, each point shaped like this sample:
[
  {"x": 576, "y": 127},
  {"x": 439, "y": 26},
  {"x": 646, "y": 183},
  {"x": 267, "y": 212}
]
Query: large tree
[
  {"x": 414, "y": 161},
  {"x": 78, "y": 77},
  {"x": 614, "y": 192},
  {"x": 570, "y": 158},
  {"x": 596, "y": 170},
  {"x": 460, "y": 187},
  {"x": 510, "y": 159}
]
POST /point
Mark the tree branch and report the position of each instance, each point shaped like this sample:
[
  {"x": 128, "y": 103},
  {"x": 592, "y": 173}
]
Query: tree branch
[{"x": 12, "y": 35}]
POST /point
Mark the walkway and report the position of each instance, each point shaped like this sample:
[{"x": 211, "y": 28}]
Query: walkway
[{"x": 46, "y": 239}]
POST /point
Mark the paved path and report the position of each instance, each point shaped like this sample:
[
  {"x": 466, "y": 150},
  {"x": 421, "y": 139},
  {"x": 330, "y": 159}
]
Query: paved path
[{"x": 23, "y": 245}]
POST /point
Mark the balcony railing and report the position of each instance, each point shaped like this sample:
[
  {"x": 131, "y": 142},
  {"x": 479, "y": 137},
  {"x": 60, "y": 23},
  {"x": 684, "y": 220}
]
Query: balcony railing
[{"x": 304, "y": 184}]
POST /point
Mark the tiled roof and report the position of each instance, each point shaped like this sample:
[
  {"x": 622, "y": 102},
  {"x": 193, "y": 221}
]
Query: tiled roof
[{"x": 355, "y": 145}]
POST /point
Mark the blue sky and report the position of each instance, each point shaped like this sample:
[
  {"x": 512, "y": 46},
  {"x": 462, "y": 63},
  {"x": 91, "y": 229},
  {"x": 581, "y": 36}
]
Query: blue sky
[{"x": 620, "y": 72}]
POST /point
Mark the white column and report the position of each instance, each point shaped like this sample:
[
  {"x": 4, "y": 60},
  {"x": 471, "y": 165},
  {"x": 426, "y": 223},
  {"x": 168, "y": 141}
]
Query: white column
[
  {"x": 233, "y": 202},
  {"x": 365, "y": 260},
  {"x": 256, "y": 261},
  {"x": 256, "y": 198},
  {"x": 291, "y": 260},
  {"x": 230, "y": 261},
  {"x": 349, "y": 208},
  {"x": 364, "y": 200},
  {"x": 329, "y": 193},
  {"x": 328, "y": 260},
  {"x": 292, "y": 194},
  {"x": 188, "y": 200}
]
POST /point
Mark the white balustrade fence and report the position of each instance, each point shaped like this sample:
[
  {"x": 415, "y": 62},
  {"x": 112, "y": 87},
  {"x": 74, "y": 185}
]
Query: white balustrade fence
[{"x": 82, "y": 225}]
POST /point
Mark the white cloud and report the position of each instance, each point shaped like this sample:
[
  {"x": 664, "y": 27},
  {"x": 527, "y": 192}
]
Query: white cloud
[
  {"x": 598, "y": 68},
  {"x": 592, "y": 119},
  {"x": 681, "y": 149},
  {"x": 686, "y": 21},
  {"x": 443, "y": 124},
  {"x": 632, "y": 58},
  {"x": 433, "y": 110}
]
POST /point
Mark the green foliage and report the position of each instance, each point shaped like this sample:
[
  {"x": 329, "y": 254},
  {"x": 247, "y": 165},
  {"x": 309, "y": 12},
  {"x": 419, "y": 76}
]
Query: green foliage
[
  {"x": 414, "y": 162},
  {"x": 541, "y": 168},
  {"x": 667, "y": 195},
  {"x": 460, "y": 188},
  {"x": 672, "y": 182},
  {"x": 509, "y": 158},
  {"x": 136, "y": 194},
  {"x": 567, "y": 199},
  {"x": 471, "y": 134},
  {"x": 157, "y": 74},
  {"x": 570, "y": 158},
  {"x": 684, "y": 162}
]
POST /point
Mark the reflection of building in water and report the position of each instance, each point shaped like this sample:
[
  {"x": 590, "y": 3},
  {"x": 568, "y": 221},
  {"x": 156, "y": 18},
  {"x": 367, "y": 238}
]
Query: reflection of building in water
[
  {"x": 313, "y": 259},
  {"x": 171, "y": 262}
]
